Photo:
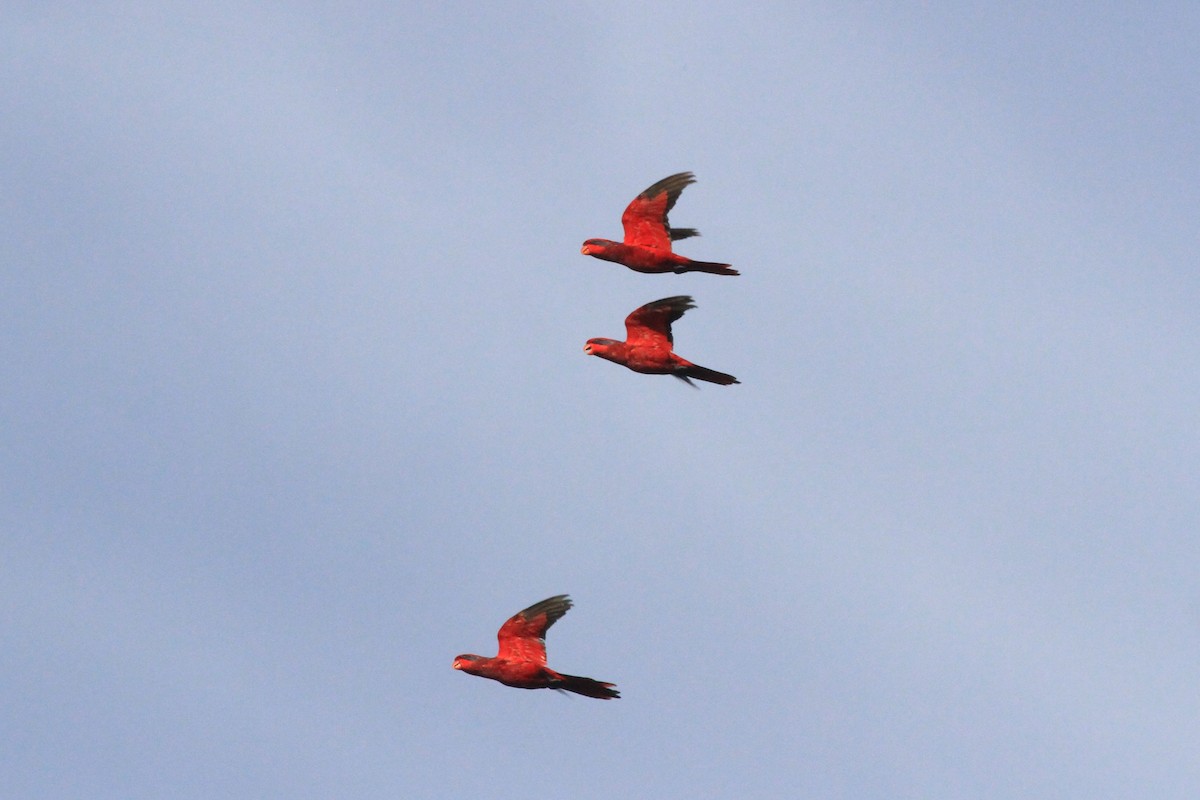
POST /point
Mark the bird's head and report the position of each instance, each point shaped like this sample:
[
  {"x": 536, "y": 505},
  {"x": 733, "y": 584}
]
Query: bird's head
[
  {"x": 466, "y": 660},
  {"x": 594, "y": 246},
  {"x": 596, "y": 347}
]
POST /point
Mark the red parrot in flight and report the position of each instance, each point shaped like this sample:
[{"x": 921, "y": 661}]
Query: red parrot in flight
[
  {"x": 648, "y": 341},
  {"x": 521, "y": 661},
  {"x": 648, "y": 235}
]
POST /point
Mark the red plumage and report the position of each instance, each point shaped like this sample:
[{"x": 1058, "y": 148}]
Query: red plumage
[
  {"x": 521, "y": 660},
  {"x": 648, "y": 234},
  {"x": 648, "y": 345}
]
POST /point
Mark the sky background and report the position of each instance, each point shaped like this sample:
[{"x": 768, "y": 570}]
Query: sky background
[{"x": 295, "y": 407}]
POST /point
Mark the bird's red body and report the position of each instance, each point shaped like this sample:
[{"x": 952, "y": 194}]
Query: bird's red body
[
  {"x": 648, "y": 235},
  {"x": 521, "y": 660},
  {"x": 648, "y": 344}
]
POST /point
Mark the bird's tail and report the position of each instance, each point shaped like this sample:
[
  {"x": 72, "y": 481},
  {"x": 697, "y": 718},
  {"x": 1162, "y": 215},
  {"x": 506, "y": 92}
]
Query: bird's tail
[
  {"x": 586, "y": 687},
  {"x": 707, "y": 266},
  {"x": 704, "y": 374}
]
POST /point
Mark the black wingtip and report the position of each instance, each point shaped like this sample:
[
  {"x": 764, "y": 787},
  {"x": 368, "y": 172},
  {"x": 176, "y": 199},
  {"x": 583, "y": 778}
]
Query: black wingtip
[
  {"x": 671, "y": 185},
  {"x": 553, "y": 607}
]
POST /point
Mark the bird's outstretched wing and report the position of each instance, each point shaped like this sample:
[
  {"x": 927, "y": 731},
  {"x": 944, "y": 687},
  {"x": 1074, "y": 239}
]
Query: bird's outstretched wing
[
  {"x": 645, "y": 219},
  {"x": 523, "y": 637},
  {"x": 652, "y": 322}
]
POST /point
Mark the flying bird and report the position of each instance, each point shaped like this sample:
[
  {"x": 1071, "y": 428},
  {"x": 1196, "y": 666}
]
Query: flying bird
[
  {"x": 648, "y": 343},
  {"x": 648, "y": 235},
  {"x": 521, "y": 661}
]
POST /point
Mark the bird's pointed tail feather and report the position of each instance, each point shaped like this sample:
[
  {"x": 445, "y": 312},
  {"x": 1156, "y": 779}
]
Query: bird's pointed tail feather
[
  {"x": 587, "y": 687},
  {"x": 705, "y": 374},
  {"x": 707, "y": 266}
]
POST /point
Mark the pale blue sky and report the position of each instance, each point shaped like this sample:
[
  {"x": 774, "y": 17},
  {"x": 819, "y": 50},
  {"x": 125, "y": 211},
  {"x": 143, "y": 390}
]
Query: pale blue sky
[{"x": 295, "y": 404}]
